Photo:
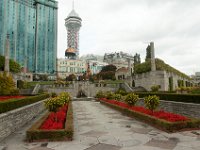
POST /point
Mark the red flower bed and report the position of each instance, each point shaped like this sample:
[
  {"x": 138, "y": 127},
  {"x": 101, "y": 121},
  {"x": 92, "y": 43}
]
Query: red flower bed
[
  {"x": 171, "y": 117},
  {"x": 55, "y": 120},
  {"x": 4, "y": 98}
]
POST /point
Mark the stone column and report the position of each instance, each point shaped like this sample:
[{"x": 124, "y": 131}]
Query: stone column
[
  {"x": 129, "y": 71},
  {"x": 6, "y": 65},
  {"x": 153, "y": 63}
]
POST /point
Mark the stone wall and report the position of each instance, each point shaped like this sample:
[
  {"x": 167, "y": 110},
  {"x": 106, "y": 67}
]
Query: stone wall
[
  {"x": 15, "y": 119},
  {"x": 186, "y": 109},
  {"x": 148, "y": 79}
]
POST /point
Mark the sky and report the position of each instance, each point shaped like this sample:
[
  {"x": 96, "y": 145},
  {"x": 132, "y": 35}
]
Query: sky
[{"x": 130, "y": 25}]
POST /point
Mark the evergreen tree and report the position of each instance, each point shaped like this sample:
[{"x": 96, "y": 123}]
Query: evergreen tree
[{"x": 148, "y": 53}]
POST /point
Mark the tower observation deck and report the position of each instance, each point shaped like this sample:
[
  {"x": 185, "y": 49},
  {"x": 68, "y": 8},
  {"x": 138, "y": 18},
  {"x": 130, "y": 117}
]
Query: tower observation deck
[{"x": 73, "y": 24}]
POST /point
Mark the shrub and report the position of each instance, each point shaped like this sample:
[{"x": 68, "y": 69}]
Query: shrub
[
  {"x": 155, "y": 88},
  {"x": 131, "y": 99},
  {"x": 7, "y": 85},
  {"x": 121, "y": 91},
  {"x": 52, "y": 104},
  {"x": 65, "y": 97},
  {"x": 53, "y": 94},
  {"x": 117, "y": 97},
  {"x": 16, "y": 103},
  {"x": 100, "y": 94},
  {"x": 109, "y": 95},
  {"x": 151, "y": 102}
]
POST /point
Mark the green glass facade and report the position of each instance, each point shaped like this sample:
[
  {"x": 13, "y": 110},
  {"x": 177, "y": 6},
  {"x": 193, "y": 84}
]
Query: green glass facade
[{"x": 32, "y": 29}]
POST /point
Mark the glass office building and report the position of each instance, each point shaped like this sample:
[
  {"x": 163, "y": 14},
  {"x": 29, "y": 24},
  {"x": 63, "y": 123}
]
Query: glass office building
[{"x": 32, "y": 29}]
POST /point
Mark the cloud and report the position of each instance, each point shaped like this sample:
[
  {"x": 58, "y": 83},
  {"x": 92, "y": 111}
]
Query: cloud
[{"x": 118, "y": 25}]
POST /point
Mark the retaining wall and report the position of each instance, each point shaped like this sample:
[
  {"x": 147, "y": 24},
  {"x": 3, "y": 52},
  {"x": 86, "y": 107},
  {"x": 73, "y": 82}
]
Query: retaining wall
[
  {"x": 15, "y": 119},
  {"x": 186, "y": 109}
]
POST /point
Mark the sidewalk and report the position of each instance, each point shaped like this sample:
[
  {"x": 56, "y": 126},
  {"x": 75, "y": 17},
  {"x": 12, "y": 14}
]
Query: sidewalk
[{"x": 98, "y": 127}]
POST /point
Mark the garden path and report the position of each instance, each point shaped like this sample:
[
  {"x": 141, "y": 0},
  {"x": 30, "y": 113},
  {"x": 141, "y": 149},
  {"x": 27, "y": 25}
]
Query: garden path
[{"x": 98, "y": 127}]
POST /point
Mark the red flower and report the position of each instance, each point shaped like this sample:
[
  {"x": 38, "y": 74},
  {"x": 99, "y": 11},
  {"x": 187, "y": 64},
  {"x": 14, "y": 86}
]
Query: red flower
[
  {"x": 55, "y": 120},
  {"x": 171, "y": 117}
]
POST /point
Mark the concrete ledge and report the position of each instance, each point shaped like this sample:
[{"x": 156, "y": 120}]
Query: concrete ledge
[{"x": 15, "y": 119}]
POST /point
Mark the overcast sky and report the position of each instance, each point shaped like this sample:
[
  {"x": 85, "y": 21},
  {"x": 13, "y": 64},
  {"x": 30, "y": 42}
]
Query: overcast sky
[{"x": 129, "y": 25}]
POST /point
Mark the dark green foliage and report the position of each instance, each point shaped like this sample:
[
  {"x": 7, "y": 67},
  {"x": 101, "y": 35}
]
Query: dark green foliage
[
  {"x": 16, "y": 103},
  {"x": 143, "y": 67},
  {"x": 155, "y": 88},
  {"x": 187, "y": 98},
  {"x": 160, "y": 65},
  {"x": 109, "y": 75},
  {"x": 53, "y": 94},
  {"x": 121, "y": 91},
  {"x": 151, "y": 102},
  {"x": 131, "y": 99},
  {"x": 171, "y": 84},
  {"x": 14, "y": 66},
  {"x": 109, "y": 95},
  {"x": 109, "y": 68},
  {"x": 35, "y": 134},
  {"x": 158, "y": 123},
  {"x": 100, "y": 94},
  {"x": 148, "y": 53}
]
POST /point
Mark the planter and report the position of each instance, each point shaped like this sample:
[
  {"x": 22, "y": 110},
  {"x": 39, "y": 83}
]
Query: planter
[
  {"x": 66, "y": 134},
  {"x": 156, "y": 122}
]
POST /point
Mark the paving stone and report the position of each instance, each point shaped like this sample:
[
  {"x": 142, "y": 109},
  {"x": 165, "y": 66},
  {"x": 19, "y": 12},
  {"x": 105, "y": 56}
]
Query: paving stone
[
  {"x": 85, "y": 118},
  {"x": 41, "y": 148},
  {"x": 140, "y": 130},
  {"x": 94, "y": 133},
  {"x": 129, "y": 143},
  {"x": 89, "y": 124},
  {"x": 102, "y": 146},
  {"x": 162, "y": 144}
]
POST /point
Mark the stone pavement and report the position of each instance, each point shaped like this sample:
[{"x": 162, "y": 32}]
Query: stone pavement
[{"x": 98, "y": 127}]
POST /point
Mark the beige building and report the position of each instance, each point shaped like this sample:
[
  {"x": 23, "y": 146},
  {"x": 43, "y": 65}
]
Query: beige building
[{"x": 65, "y": 67}]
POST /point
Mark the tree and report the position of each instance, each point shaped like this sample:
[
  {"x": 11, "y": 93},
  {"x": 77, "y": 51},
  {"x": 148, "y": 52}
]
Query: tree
[
  {"x": 71, "y": 77},
  {"x": 148, "y": 53},
  {"x": 14, "y": 66},
  {"x": 109, "y": 68}
]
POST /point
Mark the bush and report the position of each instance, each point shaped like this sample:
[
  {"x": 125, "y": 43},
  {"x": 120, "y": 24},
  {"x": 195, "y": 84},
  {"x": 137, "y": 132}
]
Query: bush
[
  {"x": 109, "y": 95},
  {"x": 151, "y": 102},
  {"x": 64, "y": 97},
  {"x": 52, "y": 104},
  {"x": 155, "y": 88},
  {"x": 121, "y": 91},
  {"x": 53, "y": 94},
  {"x": 100, "y": 94},
  {"x": 131, "y": 99},
  {"x": 16, "y": 103},
  {"x": 7, "y": 85},
  {"x": 117, "y": 97}
]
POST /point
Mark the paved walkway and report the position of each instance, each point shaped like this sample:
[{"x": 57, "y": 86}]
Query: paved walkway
[{"x": 98, "y": 127}]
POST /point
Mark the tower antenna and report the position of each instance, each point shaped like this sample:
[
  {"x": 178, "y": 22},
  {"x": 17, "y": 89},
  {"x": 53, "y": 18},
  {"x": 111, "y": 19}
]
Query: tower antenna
[{"x": 73, "y": 4}]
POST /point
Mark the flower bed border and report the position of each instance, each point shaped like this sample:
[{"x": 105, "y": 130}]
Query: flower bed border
[
  {"x": 156, "y": 122},
  {"x": 36, "y": 134},
  {"x": 21, "y": 102}
]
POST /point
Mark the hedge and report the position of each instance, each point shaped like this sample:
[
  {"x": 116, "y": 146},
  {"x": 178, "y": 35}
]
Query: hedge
[
  {"x": 16, "y": 103},
  {"x": 158, "y": 123},
  {"x": 36, "y": 134},
  {"x": 187, "y": 98}
]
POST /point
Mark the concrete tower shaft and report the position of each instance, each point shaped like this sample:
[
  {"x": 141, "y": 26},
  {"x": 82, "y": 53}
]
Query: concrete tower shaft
[{"x": 73, "y": 24}]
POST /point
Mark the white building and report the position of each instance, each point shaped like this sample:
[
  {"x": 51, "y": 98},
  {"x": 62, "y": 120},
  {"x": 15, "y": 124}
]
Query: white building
[{"x": 65, "y": 67}]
